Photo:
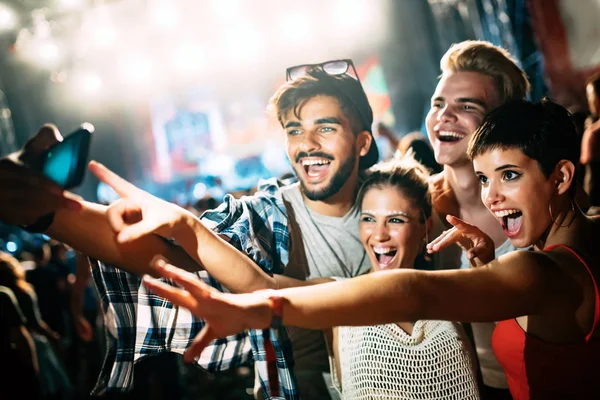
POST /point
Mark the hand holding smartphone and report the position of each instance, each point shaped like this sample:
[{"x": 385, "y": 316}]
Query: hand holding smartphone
[{"x": 65, "y": 162}]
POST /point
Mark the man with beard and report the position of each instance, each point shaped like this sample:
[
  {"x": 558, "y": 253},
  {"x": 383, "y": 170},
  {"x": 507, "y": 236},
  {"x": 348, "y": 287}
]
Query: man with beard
[
  {"x": 476, "y": 78},
  {"x": 309, "y": 226}
]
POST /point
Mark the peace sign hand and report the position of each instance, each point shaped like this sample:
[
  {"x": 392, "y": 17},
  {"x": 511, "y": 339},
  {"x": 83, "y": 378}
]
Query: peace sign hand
[
  {"x": 225, "y": 314},
  {"x": 138, "y": 212},
  {"x": 479, "y": 246}
]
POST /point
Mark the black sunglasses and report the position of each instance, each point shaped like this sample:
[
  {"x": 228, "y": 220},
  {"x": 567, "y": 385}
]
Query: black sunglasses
[{"x": 333, "y": 67}]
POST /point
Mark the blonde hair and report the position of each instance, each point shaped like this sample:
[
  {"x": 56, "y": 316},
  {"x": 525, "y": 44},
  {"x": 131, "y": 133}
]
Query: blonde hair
[{"x": 487, "y": 59}]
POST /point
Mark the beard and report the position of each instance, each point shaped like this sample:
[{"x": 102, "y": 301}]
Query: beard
[{"x": 335, "y": 184}]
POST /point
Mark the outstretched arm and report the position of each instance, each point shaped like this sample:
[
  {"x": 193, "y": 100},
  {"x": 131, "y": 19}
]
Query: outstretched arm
[
  {"x": 139, "y": 214},
  {"x": 26, "y": 195},
  {"x": 88, "y": 231},
  {"x": 519, "y": 283}
]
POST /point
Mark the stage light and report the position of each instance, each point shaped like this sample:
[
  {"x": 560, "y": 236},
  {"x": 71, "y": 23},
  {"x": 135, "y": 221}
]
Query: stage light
[
  {"x": 189, "y": 58},
  {"x": 138, "y": 70},
  {"x": 164, "y": 14},
  {"x": 11, "y": 246},
  {"x": 70, "y": 4},
  {"x": 90, "y": 83},
  {"x": 104, "y": 35},
  {"x": 8, "y": 19},
  {"x": 200, "y": 190},
  {"x": 357, "y": 16},
  {"x": 295, "y": 28},
  {"x": 48, "y": 52},
  {"x": 244, "y": 43},
  {"x": 226, "y": 8}
]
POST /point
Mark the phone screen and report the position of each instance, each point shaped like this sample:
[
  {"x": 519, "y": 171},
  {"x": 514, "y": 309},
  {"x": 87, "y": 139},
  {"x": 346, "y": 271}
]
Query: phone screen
[{"x": 65, "y": 162}]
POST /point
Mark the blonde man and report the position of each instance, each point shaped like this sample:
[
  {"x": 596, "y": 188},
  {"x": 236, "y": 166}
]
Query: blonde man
[{"x": 476, "y": 78}]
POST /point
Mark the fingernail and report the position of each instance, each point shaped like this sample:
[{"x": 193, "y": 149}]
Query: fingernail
[
  {"x": 122, "y": 238},
  {"x": 147, "y": 279}
]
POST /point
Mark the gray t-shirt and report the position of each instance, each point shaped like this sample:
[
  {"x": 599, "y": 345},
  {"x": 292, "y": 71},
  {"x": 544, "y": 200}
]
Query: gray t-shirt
[{"x": 320, "y": 246}]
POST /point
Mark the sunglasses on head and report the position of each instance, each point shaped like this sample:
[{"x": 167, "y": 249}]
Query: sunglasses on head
[{"x": 333, "y": 67}]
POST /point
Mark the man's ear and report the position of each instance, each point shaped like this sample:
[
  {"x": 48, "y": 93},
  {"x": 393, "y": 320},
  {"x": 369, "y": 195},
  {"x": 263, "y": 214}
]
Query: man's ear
[
  {"x": 564, "y": 176},
  {"x": 364, "y": 142}
]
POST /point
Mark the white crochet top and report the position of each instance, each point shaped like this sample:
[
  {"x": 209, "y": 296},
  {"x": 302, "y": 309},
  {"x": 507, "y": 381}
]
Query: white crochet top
[{"x": 384, "y": 362}]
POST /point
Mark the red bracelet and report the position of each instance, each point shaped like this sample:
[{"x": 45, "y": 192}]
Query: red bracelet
[{"x": 276, "y": 305}]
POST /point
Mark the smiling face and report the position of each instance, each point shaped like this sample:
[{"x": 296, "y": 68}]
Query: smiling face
[
  {"x": 322, "y": 148},
  {"x": 516, "y": 191},
  {"x": 458, "y": 106},
  {"x": 392, "y": 229}
]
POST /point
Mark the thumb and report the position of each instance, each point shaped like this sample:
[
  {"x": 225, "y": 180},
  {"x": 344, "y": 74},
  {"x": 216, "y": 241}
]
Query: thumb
[
  {"x": 46, "y": 137},
  {"x": 205, "y": 336},
  {"x": 474, "y": 257},
  {"x": 120, "y": 185},
  {"x": 135, "y": 231}
]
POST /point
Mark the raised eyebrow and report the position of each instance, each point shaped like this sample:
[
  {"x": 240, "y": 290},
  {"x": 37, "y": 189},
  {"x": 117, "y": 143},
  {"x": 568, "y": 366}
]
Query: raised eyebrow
[
  {"x": 291, "y": 124},
  {"x": 328, "y": 120}
]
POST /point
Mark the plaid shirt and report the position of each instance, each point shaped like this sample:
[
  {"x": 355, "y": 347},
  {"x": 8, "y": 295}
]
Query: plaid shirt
[{"x": 145, "y": 324}]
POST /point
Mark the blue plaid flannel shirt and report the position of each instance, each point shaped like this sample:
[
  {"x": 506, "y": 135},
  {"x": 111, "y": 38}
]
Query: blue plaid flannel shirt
[{"x": 145, "y": 324}]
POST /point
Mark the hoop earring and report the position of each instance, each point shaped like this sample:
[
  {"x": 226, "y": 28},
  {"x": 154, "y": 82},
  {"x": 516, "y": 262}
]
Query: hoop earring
[{"x": 552, "y": 216}]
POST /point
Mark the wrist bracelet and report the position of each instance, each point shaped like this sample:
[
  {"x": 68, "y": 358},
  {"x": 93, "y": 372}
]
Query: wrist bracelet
[
  {"x": 276, "y": 305},
  {"x": 41, "y": 225}
]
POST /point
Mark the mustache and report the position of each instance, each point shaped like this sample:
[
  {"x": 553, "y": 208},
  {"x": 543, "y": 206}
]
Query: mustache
[{"x": 318, "y": 154}]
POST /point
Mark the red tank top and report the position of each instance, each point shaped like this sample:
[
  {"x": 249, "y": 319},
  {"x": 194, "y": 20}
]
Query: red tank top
[{"x": 539, "y": 370}]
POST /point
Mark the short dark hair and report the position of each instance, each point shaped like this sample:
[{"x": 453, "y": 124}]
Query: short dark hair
[
  {"x": 348, "y": 91},
  {"x": 542, "y": 131}
]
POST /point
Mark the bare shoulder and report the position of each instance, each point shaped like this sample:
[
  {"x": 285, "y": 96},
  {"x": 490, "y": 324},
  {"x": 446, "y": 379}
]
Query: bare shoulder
[{"x": 528, "y": 263}]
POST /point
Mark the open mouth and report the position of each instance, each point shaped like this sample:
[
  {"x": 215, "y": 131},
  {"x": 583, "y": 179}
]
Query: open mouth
[
  {"x": 315, "y": 168},
  {"x": 449, "y": 136},
  {"x": 511, "y": 220},
  {"x": 385, "y": 256}
]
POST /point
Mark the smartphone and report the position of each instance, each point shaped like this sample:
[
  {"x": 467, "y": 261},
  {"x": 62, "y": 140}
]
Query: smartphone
[{"x": 65, "y": 162}]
